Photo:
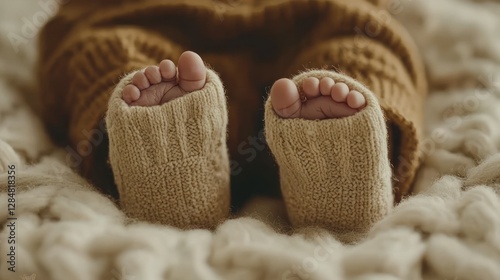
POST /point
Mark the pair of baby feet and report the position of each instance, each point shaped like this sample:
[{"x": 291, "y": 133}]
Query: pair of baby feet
[{"x": 317, "y": 99}]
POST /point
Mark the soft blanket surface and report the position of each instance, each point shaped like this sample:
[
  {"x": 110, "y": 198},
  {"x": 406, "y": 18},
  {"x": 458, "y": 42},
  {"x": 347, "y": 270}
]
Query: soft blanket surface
[{"x": 449, "y": 230}]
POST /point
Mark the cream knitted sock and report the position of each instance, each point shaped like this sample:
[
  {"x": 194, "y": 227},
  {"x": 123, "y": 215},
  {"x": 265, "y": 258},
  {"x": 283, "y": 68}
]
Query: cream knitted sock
[
  {"x": 334, "y": 173},
  {"x": 170, "y": 162}
]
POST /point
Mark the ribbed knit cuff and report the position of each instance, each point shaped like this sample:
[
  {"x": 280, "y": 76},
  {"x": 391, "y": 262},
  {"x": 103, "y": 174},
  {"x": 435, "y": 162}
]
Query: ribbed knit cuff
[
  {"x": 334, "y": 173},
  {"x": 170, "y": 162}
]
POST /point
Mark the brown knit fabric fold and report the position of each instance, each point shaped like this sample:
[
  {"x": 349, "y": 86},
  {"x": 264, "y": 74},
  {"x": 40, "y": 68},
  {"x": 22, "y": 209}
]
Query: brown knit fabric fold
[
  {"x": 90, "y": 44},
  {"x": 76, "y": 89}
]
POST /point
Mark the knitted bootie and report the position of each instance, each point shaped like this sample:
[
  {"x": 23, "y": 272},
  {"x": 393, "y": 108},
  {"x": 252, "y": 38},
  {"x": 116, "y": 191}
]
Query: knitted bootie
[
  {"x": 334, "y": 173},
  {"x": 170, "y": 162}
]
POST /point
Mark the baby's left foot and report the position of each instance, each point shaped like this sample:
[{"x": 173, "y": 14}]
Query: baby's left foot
[
  {"x": 317, "y": 99},
  {"x": 328, "y": 135}
]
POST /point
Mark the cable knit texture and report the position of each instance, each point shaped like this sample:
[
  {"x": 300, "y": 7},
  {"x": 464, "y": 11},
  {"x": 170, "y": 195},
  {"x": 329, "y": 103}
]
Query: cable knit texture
[
  {"x": 334, "y": 173},
  {"x": 89, "y": 44},
  {"x": 170, "y": 162},
  {"x": 66, "y": 229}
]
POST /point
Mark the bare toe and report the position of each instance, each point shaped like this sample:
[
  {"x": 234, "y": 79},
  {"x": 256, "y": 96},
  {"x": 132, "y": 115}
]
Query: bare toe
[
  {"x": 168, "y": 71},
  {"x": 285, "y": 98},
  {"x": 325, "y": 85},
  {"x": 355, "y": 99},
  {"x": 339, "y": 92},
  {"x": 310, "y": 86},
  {"x": 140, "y": 80},
  {"x": 192, "y": 71},
  {"x": 153, "y": 74},
  {"x": 131, "y": 93}
]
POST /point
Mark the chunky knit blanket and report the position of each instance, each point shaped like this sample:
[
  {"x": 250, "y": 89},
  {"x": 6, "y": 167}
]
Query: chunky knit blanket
[{"x": 55, "y": 226}]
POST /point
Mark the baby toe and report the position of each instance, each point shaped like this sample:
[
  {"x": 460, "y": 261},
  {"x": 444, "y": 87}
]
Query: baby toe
[
  {"x": 153, "y": 74},
  {"x": 130, "y": 93},
  {"x": 339, "y": 92},
  {"x": 325, "y": 85},
  {"x": 140, "y": 80},
  {"x": 168, "y": 70},
  {"x": 310, "y": 86},
  {"x": 355, "y": 99}
]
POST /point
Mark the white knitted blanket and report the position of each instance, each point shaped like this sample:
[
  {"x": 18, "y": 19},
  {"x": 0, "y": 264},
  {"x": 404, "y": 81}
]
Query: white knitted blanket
[{"x": 449, "y": 230}]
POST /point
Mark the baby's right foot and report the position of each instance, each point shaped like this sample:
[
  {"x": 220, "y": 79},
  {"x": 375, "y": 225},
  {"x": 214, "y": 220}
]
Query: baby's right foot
[{"x": 160, "y": 84}]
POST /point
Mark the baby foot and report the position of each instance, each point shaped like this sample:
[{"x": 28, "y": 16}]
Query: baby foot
[
  {"x": 318, "y": 99},
  {"x": 178, "y": 148},
  {"x": 160, "y": 84},
  {"x": 327, "y": 179}
]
